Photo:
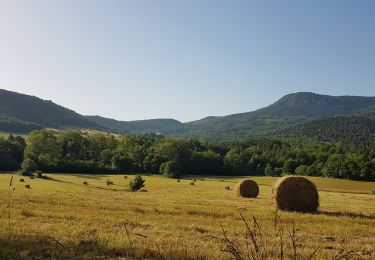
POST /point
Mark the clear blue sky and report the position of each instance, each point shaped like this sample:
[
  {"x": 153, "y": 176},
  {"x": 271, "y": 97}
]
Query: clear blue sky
[{"x": 184, "y": 59}]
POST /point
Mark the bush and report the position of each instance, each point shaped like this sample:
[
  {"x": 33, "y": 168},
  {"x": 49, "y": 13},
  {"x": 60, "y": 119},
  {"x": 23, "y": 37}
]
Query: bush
[
  {"x": 109, "y": 182},
  {"x": 137, "y": 183},
  {"x": 28, "y": 167},
  {"x": 170, "y": 169}
]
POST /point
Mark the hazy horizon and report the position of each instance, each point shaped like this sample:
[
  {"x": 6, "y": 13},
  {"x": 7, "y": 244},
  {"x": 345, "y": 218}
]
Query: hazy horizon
[{"x": 186, "y": 60}]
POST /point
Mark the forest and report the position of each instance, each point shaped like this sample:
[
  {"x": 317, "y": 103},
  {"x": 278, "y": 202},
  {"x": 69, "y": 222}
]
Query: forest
[{"x": 80, "y": 152}]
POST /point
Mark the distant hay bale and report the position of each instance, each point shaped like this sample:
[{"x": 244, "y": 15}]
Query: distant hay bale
[
  {"x": 85, "y": 183},
  {"x": 227, "y": 187},
  {"x": 178, "y": 181},
  {"x": 27, "y": 186},
  {"x": 192, "y": 183},
  {"x": 292, "y": 193},
  {"x": 247, "y": 189},
  {"x": 22, "y": 180},
  {"x": 125, "y": 177},
  {"x": 194, "y": 180},
  {"x": 32, "y": 177}
]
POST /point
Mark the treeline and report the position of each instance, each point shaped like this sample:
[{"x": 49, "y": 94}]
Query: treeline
[
  {"x": 77, "y": 152},
  {"x": 11, "y": 152}
]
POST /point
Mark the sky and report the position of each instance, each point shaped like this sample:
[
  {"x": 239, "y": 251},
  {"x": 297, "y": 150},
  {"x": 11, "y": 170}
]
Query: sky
[{"x": 184, "y": 59}]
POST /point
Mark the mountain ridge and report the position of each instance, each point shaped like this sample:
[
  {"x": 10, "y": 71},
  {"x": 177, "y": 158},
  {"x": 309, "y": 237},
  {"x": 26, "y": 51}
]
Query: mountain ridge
[{"x": 287, "y": 112}]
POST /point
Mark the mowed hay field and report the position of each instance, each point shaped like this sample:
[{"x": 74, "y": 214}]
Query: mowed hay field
[{"x": 63, "y": 218}]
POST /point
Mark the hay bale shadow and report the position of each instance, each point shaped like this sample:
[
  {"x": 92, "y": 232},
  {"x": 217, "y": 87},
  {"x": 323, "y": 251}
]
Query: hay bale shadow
[{"x": 346, "y": 215}]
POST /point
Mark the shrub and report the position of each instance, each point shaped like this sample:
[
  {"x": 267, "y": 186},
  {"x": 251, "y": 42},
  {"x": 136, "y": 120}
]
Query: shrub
[
  {"x": 170, "y": 169},
  {"x": 292, "y": 193},
  {"x": 28, "y": 167},
  {"x": 247, "y": 189},
  {"x": 109, "y": 182},
  {"x": 137, "y": 183}
]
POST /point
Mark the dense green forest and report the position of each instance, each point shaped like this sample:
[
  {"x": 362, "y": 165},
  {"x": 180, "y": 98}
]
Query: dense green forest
[
  {"x": 73, "y": 151},
  {"x": 11, "y": 152},
  {"x": 344, "y": 129}
]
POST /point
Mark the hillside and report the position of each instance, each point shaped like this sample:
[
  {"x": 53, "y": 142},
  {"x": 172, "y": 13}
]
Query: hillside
[
  {"x": 12, "y": 125},
  {"x": 345, "y": 129},
  {"x": 291, "y": 110},
  {"x": 32, "y": 111},
  {"x": 138, "y": 126},
  {"x": 24, "y": 113}
]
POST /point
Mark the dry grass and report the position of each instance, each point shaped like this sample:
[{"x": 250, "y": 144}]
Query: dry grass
[{"x": 64, "y": 218}]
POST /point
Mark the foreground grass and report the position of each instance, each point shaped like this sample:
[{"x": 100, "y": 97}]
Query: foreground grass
[{"x": 64, "y": 218}]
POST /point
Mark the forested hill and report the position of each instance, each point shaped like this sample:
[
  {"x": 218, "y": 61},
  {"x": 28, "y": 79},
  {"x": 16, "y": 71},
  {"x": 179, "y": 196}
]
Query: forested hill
[
  {"x": 137, "y": 126},
  {"x": 344, "y": 129},
  {"x": 291, "y": 110},
  {"x": 18, "y": 109}
]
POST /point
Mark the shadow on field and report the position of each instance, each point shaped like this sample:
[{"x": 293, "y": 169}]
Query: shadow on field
[
  {"x": 46, "y": 247},
  {"x": 347, "y": 215}
]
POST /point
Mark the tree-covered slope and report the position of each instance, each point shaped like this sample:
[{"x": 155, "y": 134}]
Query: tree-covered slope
[
  {"x": 41, "y": 112},
  {"x": 12, "y": 125},
  {"x": 291, "y": 110},
  {"x": 345, "y": 129},
  {"x": 137, "y": 126}
]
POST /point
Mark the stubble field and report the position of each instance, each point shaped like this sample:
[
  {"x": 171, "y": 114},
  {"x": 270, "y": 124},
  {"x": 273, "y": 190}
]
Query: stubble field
[{"x": 63, "y": 218}]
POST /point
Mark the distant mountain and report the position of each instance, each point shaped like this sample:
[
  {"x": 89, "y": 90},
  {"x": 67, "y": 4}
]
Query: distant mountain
[
  {"x": 291, "y": 110},
  {"x": 345, "y": 129},
  {"x": 36, "y": 113},
  {"x": 291, "y": 113},
  {"x": 138, "y": 126}
]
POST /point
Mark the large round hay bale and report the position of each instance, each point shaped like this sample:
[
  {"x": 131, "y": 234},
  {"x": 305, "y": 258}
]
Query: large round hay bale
[
  {"x": 247, "y": 189},
  {"x": 293, "y": 193}
]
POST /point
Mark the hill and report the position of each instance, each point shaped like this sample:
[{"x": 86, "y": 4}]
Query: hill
[
  {"x": 345, "y": 129},
  {"x": 291, "y": 110},
  {"x": 33, "y": 113},
  {"x": 19, "y": 111},
  {"x": 12, "y": 125},
  {"x": 138, "y": 126}
]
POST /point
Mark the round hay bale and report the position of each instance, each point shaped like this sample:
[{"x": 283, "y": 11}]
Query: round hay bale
[
  {"x": 27, "y": 186},
  {"x": 227, "y": 187},
  {"x": 178, "y": 181},
  {"x": 192, "y": 183},
  {"x": 85, "y": 183},
  {"x": 294, "y": 193},
  {"x": 22, "y": 180},
  {"x": 247, "y": 189}
]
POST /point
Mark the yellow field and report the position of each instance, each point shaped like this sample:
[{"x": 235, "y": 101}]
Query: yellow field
[{"x": 64, "y": 218}]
